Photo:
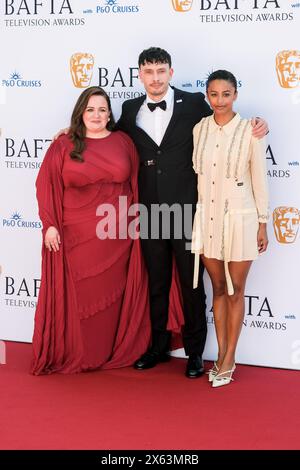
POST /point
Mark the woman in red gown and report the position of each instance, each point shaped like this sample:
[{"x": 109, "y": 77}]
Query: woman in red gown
[{"x": 92, "y": 309}]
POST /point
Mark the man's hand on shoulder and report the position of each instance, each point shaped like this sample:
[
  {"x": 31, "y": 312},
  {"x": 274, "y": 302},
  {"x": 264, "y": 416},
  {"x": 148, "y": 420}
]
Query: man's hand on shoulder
[
  {"x": 61, "y": 132},
  {"x": 260, "y": 127}
]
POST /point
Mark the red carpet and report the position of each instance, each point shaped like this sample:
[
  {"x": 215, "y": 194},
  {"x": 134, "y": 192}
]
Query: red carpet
[{"x": 155, "y": 409}]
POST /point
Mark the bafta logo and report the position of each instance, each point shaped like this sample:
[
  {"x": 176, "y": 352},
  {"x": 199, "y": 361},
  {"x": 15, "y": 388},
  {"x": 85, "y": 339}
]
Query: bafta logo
[
  {"x": 286, "y": 223},
  {"x": 288, "y": 68},
  {"x": 81, "y": 67},
  {"x": 182, "y": 5}
]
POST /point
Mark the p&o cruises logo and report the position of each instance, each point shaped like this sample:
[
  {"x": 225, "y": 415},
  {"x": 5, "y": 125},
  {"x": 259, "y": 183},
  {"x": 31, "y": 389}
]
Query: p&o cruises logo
[
  {"x": 16, "y": 80},
  {"x": 115, "y": 6},
  {"x": 201, "y": 83},
  {"x": 17, "y": 221}
]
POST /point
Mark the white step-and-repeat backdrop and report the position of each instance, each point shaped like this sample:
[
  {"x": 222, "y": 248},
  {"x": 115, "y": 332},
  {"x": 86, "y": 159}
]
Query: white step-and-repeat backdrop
[{"x": 52, "y": 49}]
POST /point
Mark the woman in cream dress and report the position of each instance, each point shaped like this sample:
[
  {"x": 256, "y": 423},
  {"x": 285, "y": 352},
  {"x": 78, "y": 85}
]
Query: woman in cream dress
[{"x": 230, "y": 222}]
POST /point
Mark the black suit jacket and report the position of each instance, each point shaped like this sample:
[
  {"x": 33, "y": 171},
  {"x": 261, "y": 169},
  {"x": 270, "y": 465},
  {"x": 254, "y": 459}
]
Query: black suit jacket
[{"x": 172, "y": 179}]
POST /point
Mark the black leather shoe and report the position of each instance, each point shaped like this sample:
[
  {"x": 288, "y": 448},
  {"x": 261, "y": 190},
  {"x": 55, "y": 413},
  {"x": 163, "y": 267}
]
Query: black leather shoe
[
  {"x": 195, "y": 367},
  {"x": 150, "y": 359}
]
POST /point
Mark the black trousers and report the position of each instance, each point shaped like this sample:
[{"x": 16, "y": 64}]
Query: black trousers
[{"x": 158, "y": 254}]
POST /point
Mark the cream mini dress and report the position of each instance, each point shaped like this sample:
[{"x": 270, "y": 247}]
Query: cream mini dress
[{"x": 232, "y": 192}]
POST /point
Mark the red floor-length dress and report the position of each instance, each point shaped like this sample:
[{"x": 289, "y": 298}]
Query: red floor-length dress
[{"x": 93, "y": 304}]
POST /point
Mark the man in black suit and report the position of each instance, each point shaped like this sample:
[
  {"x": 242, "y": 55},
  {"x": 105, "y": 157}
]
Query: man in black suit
[
  {"x": 161, "y": 125},
  {"x": 163, "y": 137}
]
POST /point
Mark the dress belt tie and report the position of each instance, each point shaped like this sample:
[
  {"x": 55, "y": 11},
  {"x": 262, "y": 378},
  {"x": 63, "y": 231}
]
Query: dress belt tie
[{"x": 197, "y": 242}]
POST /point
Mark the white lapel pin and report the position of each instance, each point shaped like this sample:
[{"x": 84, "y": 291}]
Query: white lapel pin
[{"x": 178, "y": 101}]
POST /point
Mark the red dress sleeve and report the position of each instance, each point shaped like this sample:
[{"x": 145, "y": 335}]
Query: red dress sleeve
[
  {"x": 49, "y": 188},
  {"x": 56, "y": 339}
]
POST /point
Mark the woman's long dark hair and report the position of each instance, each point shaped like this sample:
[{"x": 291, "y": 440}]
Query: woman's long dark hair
[{"x": 77, "y": 131}]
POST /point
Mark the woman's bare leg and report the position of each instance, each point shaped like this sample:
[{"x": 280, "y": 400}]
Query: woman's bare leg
[
  {"x": 235, "y": 310},
  {"x": 216, "y": 272}
]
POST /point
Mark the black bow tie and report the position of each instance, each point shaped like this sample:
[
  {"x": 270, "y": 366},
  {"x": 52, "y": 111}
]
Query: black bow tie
[{"x": 160, "y": 104}]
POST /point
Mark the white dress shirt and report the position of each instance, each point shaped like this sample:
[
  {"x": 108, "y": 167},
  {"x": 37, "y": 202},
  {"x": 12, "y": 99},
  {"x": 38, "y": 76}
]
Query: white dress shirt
[{"x": 155, "y": 123}]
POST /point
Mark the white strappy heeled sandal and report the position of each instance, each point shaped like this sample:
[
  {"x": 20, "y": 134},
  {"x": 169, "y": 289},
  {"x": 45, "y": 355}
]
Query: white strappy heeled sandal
[
  {"x": 219, "y": 380},
  {"x": 213, "y": 372}
]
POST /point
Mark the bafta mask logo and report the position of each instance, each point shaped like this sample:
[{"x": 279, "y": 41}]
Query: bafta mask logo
[
  {"x": 182, "y": 5},
  {"x": 286, "y": 222},
  {"x": 81, "y": 66},
  {"x": 288, "y": 68}
]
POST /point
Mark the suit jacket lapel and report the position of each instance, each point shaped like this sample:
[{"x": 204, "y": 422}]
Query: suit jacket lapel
[
  {"x": 135, "y": 109},
  {"x": 178, "y": 106}
]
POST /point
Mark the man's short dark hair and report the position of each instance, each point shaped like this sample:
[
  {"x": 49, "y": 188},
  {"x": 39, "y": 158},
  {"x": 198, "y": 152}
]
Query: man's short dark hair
[{"x": 155, "y": 55}]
